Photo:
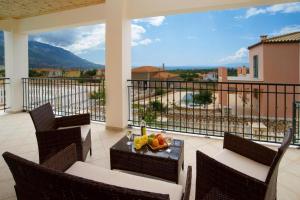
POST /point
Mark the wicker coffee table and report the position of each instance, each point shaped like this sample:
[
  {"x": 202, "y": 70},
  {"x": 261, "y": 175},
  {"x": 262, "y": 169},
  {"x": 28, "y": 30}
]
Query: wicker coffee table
[{"x": 160, "y": 163}]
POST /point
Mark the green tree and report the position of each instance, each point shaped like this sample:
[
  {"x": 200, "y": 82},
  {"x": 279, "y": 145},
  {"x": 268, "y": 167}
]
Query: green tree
[
  {"x": 98, "y": 95},
  {"x": 149, "y": 115},
  {"x": 159, "y": 91},
  {"x": 157, "y": 106},
  {"x": 188, "y": 76},
  {"x": 90, "y": 73},
  {"x": 231, "y": 71},
  {"x": 33, "y": 73},
  {"x": 204, "y": 97},
  {"x": 2, "y": 73}
]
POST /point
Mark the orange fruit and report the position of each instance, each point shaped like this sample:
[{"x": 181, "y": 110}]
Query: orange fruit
[
  {"x": 155, "y": 143},
  {"x": 161, "y": 140}
]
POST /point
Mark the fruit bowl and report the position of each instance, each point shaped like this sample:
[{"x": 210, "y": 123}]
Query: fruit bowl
[
  {"x": 165, "y": 145},
  {"x": 157, "y": 141}
]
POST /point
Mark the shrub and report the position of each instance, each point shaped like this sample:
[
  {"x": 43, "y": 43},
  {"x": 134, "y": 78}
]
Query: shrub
[
  {"x": 159, "y": 91},
  {"x": 203, "y": 97},
  {"x": 157, "y": 106}
]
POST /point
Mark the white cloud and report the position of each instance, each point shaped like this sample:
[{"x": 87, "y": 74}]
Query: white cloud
[
  {"x": 76, "y": 40},
  {"x": 238, "y": 56},
  {"x": 287, "y": 29},
  {"x": 154, "y": 21},
  {"x": 278, "y": 8},
  {"x": 137, "y": 36},
  {"x": 254, "y": 11},
  {"x": 145, "y": 41},
  {"x": 89, "y": 40},
  {"x": 81, "y": 39},
  {"x": 137, "y": 32}
]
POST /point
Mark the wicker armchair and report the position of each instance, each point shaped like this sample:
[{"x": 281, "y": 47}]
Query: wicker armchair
[
  {"x": 244, "y": 170},
  {"x": 54, "y": 134},
  {"x": 52, "y": 181}
]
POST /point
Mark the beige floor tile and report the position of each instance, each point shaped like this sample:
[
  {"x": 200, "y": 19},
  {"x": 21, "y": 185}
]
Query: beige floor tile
[
  {"x": 294, "y": 168},
  {"x": 289, "y": 181},
  {"x": 293, "y": 154},
  {"x": 7, "y": 189},
  {"x": 285, "y": 194},
  {"x": 10, "y": 198}
]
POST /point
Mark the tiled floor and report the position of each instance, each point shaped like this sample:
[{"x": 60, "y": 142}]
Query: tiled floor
[{"x": 17, "y": 136}]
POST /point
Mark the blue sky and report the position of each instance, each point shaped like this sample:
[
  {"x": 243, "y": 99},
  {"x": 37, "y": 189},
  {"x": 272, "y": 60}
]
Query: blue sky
[{"x": 208, "y": 38}]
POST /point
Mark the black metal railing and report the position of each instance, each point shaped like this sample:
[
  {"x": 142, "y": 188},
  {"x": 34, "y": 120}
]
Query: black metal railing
[
  {"x": 296, "y": 119},
  {"x": 257, "y": 111},
  {"x": 3, "y": 84},
  {"x": 68, "y": 96}
]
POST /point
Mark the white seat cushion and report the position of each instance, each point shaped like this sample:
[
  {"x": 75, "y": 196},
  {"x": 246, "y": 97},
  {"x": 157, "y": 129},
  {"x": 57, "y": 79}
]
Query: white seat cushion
[
  {"x": 83, "y": 128},
  {"x": 243, "y": 164},
  {"x": 121, "y": 179}
]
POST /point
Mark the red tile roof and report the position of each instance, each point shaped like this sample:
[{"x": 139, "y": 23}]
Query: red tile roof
[
  {"x": 146, "y": 69},
  {"x": 285, "y": 38},
  {"x": 164, "y": 75},
  {"x": 290, "y": 37}
]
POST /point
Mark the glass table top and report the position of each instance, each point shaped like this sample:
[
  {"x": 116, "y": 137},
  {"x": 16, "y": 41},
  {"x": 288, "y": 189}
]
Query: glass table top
[{"x": 176, "y": 148}]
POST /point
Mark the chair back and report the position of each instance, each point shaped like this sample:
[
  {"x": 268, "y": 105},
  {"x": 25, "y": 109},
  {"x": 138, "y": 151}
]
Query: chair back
[
  {"x": 35, "y": 181},
  {"x": 43, "y": 118},
  {"x": 281, "y": 150},
  {"x": 271, "y": 179}
]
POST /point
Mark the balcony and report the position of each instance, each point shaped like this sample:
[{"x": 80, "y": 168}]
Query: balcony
[
  {"x": 200, "y": 126},
  {"x": 18, "y": 137},
  {"x": 197, "y": 112}
]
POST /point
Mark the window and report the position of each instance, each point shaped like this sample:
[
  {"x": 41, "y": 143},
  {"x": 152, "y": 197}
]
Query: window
[{"x": 255, "y": 66}]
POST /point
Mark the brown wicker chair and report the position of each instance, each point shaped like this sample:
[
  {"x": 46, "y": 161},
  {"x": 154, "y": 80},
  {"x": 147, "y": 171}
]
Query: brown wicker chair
[
  {"x": 244, "y": 170},
  {"x": 54, "y": 134},
  {"x": 49, "y": 182}
]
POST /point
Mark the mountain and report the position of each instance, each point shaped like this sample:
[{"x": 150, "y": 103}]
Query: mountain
[
  {"x": 47, "y": 56},
  {"x": 44, "y": 55}
]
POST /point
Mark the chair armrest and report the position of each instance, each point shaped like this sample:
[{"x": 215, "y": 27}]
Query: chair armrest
[
  {"x": 51, "y": 142},
  {"x": 214, "y": 176},
  {"x": 188, "y": 183},
  {"x": 249, "y": 149},
  {"x": 62, "y": 160},
  {"x": 74, "y": 120}
]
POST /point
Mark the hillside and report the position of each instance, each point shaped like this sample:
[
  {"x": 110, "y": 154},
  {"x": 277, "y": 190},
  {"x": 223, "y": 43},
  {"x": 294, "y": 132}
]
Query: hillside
[{"x": 47, "y": 56}]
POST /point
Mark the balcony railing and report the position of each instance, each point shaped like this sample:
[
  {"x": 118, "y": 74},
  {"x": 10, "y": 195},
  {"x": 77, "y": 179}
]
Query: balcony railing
[
  {"x": 3, "y": 85},
  {"x": 257, "y": 111},
  {"x": 68, "y": 96}
]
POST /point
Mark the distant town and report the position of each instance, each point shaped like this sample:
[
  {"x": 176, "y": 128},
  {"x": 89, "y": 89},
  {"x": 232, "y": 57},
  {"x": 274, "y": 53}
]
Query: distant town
[{"x": 153, "y": 72}]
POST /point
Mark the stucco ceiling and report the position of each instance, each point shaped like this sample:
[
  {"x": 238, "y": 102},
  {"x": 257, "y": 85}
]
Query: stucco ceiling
[{"x": 18, "y": 9}]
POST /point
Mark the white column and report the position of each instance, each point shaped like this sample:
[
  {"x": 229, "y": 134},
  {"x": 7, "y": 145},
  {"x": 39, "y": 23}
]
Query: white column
[
  {"x": 118, "y": 63},
  {"x": 16, "y": 67}
]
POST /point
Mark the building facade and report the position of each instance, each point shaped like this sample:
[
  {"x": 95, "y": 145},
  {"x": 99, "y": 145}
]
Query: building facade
[{"x": 272, "y": 60}]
